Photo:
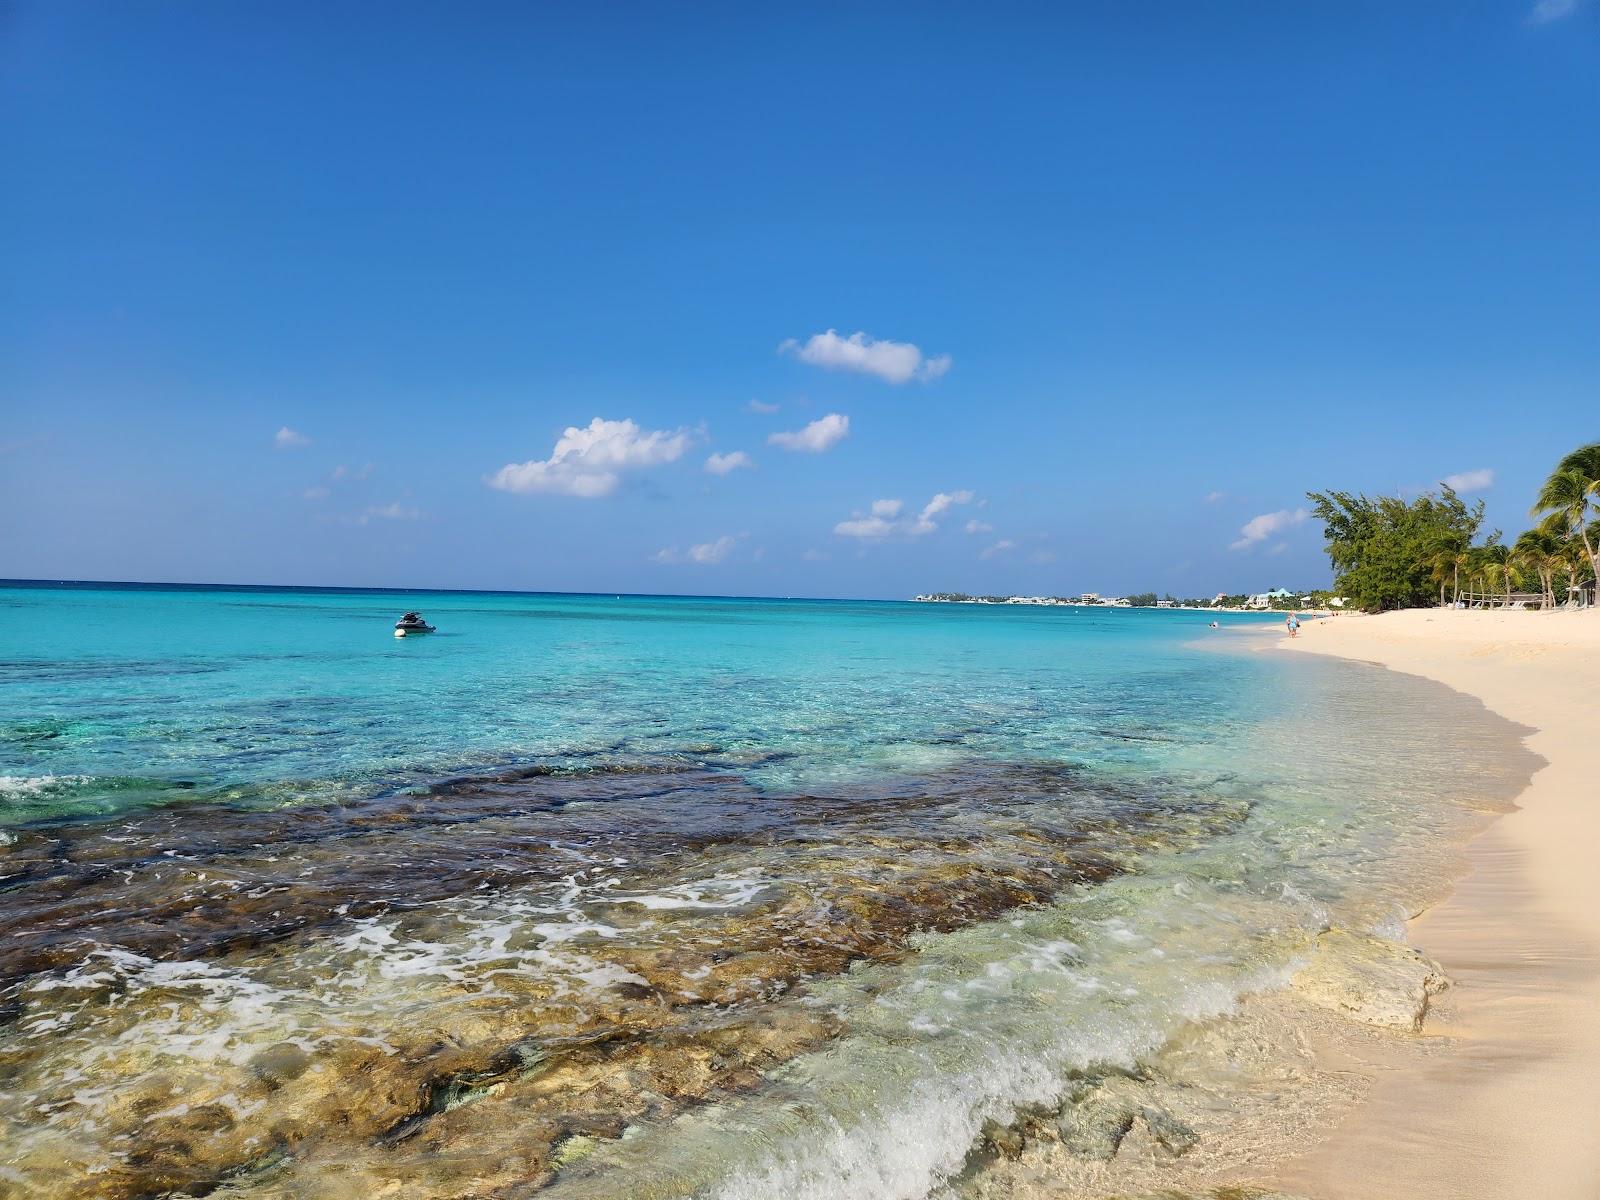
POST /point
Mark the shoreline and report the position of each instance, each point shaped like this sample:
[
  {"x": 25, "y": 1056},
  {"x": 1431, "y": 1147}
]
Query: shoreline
[{"x": 1510, "y": 1105}]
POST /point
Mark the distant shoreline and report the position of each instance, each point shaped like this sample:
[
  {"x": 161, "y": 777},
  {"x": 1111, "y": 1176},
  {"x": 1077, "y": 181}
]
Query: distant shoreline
[{"x": 350, "y": 590}]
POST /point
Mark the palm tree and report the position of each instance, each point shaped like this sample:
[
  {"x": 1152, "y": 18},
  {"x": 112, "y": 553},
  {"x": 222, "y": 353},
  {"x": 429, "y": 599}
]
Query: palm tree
[
  {"x": 1492, "y": 568},
  {"x": 1481, "y": 571},
  {"x": 1462, "y": 558},
  {"x": 1575, "y": 563},
  {"x": 1542, "y": 550},
  {"x": 1572, "y": 487},
  {"x": 1444, "y": 564}
]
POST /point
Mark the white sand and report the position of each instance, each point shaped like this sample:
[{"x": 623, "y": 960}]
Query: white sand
[{"x": 1513, "y": 1108}]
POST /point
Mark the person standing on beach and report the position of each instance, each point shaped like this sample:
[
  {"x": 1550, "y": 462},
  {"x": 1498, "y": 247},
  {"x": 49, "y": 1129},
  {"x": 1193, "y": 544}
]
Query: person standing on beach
[{"x": 1293, "y": 623}]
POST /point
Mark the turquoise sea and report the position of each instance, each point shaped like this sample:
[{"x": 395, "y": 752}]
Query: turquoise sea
[{"x": 655, "y": 896}]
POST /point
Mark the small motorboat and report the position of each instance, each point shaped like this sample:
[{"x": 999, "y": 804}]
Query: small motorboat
[{"x": 411, "y": 623}]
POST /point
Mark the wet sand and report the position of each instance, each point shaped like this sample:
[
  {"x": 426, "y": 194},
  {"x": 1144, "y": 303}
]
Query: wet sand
[{"x": 1511, "y": 1106}]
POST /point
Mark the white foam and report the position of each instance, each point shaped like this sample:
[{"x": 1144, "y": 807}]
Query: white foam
[
  {"x": 26, "y": 787},
  {"x": 733, "y": 891}
]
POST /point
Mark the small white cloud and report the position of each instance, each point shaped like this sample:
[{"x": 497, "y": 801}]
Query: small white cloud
[
  {"x": 1546, "y": 11},
  {"x": 345, "y": 472},
  {"x": 1277, "y": 547},
  {"x": 976, "y": 526},
  {"x": 712, "y": 552},
  {"x": 589, "y": 462},
  {"x": 705, "y": 554},
  {"x": 816, "y": 437},
  {"x": 317, "y": 493},
  {"x": 1213, "y": 497},
  {"x": 722, "y": 464},
  {"x": 289, "y": 439},
  {"x": 1469, "y": 481},
  {"x": 865, "y": 527},
  {"x": 762, "y": 406},
  {"x": 896, "y": 362},
  {"x": 999, "y": 547},
  {"x": 395, "y": 511},
  {"x": 1259, "y": 529},
  {"x": 943, "y": 501},
  {"x": 814, "y": 555},
  {"x": 887, "y": 508}
]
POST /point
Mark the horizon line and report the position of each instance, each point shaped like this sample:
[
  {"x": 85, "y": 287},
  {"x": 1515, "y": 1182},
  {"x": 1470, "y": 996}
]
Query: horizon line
[{"x": 349, "y": 589}]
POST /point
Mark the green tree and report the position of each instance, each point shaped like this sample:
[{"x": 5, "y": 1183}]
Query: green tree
[
  {"x": 1543, "y": 551},
  {"x": 1383, "y": 548},
  {"x": 1445, "y": 566},
  {"x": 1567, "y": 496}
]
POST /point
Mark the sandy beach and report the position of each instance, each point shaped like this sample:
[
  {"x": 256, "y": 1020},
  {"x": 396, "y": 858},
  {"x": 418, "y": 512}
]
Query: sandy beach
[{"x": 1512, "y": 1107}]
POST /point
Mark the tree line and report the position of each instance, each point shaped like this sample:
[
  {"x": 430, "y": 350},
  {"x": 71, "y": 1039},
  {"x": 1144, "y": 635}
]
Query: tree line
[{"x": 1392, "y": 553}]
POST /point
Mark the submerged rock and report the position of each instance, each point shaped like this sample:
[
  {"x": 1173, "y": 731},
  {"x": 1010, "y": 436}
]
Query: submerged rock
[
  {"x": 1173, "y": 1135},
  {"x": 1371, "y": 979},
  {"x": 1004, "y": 1140},
  {"x": 1094, "y": 1126},
  {"x": 1094, "y": 1123}
]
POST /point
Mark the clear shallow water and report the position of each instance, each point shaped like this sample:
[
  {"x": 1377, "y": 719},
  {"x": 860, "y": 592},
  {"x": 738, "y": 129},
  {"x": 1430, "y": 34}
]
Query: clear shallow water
[
  {"x": 114, "y": 698},
  {"x": 624, "y": 897}
]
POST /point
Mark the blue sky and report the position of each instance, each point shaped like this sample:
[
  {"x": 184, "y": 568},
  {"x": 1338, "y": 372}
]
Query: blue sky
[{"x": 312, "y": 293}]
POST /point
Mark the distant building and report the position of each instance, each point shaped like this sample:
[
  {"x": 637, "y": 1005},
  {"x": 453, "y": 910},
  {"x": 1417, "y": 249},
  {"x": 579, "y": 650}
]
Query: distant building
[
  {"x": 1090, "y": 597},
  {"x": 1163, "y": 603},
  {"x": 1266, "y": 599}
]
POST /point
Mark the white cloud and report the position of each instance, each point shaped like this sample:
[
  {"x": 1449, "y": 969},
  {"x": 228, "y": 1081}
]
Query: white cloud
[
  {"x": 976, "y": 526},
  {"x": 1213, "y": 497},
  {"x": 1469, "y": 481},
  {"x": 589, "y": 462},
  {"x": 705, "y": 554},
  {"x": 344, "y": 472},
  {"x": 896, "y": 362},
  {"x": 395, "y": 511},
  {"x": 289, "y": 439},
  {"x": 317, "y": 493},
  {"x": 815, "y": 437},
  {"x": 1546, "y": 11},
  {"x": 814, "y": 555},
  {"x": 887, "y": 517},
  {"x": 712, "y": 552},
  {"x": 721, "y": 464},
  {"x": 943, "y": 501},
  {"x": 762, "y": 406},
  {"x": 865, "y": 527},
  {"x": 1259, "y": 529},
  {"x": 999, "y": 547}
]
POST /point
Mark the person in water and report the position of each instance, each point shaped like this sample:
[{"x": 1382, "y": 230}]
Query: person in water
[{"x": 1294, "y": 624}]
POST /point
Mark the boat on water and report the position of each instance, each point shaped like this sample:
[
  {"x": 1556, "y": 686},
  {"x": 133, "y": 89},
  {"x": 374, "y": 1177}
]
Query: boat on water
[{"x": 411, "y": 623}]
